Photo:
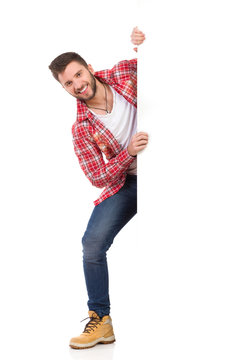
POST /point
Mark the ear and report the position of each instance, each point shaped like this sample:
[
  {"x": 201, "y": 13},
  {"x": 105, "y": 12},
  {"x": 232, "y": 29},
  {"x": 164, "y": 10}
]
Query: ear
[{"x": 90, "y": 68}]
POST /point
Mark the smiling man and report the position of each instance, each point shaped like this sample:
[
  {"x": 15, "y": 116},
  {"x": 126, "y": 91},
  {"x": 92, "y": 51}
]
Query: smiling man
[
  {"x": 106, "y": 125},
  {"x": 82, "y": 84}
]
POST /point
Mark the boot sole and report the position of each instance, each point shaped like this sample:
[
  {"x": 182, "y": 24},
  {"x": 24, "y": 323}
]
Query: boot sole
[{"x": 103, "y": 340}]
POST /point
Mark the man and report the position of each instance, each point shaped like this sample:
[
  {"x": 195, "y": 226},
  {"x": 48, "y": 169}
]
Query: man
[{"x": 106, "y": 125}]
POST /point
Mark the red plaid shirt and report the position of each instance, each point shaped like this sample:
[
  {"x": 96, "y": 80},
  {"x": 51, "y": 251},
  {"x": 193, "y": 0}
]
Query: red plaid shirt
[{"x": 92, "y": 139}]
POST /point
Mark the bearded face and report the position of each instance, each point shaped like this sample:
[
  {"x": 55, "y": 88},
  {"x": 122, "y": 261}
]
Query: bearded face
[{"x": 78, "y": 81}]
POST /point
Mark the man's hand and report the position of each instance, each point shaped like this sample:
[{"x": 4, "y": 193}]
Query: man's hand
[
  {"x": 137, "y": 37},
  {"x": 138, "y": 142}
]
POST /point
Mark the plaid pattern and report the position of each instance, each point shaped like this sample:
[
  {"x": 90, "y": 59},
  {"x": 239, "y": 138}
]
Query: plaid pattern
[{"x": 92, "y": 140}]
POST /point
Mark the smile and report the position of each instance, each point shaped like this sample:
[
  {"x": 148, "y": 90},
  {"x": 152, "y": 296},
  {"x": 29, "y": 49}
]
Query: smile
[{"x": 82, "y": 91}]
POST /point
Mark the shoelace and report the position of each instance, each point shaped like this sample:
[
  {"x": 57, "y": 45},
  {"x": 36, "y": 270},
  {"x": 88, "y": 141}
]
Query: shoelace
[{"x": 93, "y": 323}]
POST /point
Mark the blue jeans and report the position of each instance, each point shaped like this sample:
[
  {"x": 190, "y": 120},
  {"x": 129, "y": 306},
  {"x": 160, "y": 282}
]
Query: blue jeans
[{"x": 107, "y": 219}]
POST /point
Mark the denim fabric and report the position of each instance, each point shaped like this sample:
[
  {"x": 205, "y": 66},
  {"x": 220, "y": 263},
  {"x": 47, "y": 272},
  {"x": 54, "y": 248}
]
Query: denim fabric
[{"x": 107, "y": 219}]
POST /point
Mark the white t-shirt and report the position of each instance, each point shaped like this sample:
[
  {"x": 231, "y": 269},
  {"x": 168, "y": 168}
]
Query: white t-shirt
[{"x": 122, "y": 122}]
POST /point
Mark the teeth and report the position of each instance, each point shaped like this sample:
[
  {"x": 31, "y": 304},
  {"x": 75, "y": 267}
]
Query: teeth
[{"x": 83, "y": 89}]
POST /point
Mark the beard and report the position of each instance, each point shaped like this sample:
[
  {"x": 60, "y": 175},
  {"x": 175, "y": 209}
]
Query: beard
[{"x": 92, "y": 85}]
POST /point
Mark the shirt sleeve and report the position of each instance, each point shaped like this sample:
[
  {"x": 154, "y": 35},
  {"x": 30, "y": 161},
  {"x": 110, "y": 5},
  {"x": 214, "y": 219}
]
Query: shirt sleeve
[
  {"x": 92, "y": 163},
  {"x": 121, "y": 72},
  {"x": 124, "y": 70}
]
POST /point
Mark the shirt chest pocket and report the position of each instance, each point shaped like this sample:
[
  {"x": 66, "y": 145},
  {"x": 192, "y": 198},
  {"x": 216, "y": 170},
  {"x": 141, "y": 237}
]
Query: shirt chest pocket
[{"x": 103, "y": 145}]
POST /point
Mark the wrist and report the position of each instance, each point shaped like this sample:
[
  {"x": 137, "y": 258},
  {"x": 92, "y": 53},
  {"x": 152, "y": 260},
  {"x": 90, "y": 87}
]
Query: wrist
[{"x": 130, "y": 153}]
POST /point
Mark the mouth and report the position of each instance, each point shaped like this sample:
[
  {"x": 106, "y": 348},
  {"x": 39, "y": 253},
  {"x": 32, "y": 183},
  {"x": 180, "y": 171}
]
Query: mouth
[{"x": 83, "y": 90}]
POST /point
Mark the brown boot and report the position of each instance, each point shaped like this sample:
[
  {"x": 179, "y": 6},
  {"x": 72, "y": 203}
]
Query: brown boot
[{"x": 97, "y": 330}]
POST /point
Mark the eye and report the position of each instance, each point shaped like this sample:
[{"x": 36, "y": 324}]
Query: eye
[
  {"x": 79, "y": 74},
  {"x": 68, "y": 83}
]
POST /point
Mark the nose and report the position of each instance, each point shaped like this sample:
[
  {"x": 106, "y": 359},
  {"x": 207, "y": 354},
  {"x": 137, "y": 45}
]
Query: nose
[{"x": 77, "y": 84}]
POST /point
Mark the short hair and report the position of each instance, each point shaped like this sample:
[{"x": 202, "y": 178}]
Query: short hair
[{"x": 59, "y": 64}]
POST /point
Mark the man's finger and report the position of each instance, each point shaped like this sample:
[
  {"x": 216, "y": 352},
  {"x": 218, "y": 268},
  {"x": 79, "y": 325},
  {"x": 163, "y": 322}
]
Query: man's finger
[
  {"x": 142, "y": 136},
  {"x": 142, "y": 142},
  {"x": 141, "y": 133}
]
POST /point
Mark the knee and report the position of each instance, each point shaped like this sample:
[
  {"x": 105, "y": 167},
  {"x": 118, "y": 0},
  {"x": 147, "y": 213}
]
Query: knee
[{"x": 93, "y": 246}]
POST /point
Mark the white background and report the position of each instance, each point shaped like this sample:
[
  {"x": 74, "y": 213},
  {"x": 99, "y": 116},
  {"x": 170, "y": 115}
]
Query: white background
[{"x": 174, "y": 270}]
